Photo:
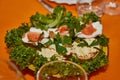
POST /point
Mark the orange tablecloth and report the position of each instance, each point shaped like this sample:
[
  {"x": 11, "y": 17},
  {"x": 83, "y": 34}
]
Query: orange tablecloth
[{"x": 15, "y": 12}]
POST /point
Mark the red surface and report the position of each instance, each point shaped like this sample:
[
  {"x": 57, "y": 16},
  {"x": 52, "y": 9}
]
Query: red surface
[{"x": 15, "y": 12}]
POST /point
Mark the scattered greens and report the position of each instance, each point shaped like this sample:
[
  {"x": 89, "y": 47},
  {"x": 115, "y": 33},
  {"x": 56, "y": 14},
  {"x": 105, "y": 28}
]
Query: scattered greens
[
  {"x": 92, "y": 65},
  {"x": 89, "y": 16},
  {"x": 57, "y": 14},
  {"x": 25, "y": 55},
  {"x": 51, "y": 20},
  {"x": 83, "y": 43},
  {"x": 66, "y": 40},
  {"x": 60, "y": 49},
  {"x": 39, "y": 61},
  {"x": 13, "y": 37},
  {"x": 100, "y": 40},
  {"x": 85, "y": 19},
  {"x": 100, "y": 60}
]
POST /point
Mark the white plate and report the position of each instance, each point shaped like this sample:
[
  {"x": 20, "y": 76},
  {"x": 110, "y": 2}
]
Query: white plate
[
  {"x": 71, "y": 1},
  {"x": 65, "y": 1}
]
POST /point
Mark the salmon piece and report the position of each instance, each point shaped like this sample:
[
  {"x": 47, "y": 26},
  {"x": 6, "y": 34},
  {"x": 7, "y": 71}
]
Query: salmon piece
[
  {"x": 33, "y": 36},
  {"x": 63, "y": 28},
  {"x": 89, "y": 29}
]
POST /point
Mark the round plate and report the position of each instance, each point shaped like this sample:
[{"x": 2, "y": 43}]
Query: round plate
[{"x": 65, "y": 1}]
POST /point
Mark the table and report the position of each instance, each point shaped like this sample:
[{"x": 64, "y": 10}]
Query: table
[{"x": 15, "y": 12}]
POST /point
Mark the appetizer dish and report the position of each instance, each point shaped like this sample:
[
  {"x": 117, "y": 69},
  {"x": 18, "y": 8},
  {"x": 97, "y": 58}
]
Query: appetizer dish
[{"x": 59, "y": 36}]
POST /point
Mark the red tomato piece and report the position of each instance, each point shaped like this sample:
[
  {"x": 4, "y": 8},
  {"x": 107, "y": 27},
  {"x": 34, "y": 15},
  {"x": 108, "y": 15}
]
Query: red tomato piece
[
  {"x": 88, "y": 30},
  {"x": 33, "y": 36}
]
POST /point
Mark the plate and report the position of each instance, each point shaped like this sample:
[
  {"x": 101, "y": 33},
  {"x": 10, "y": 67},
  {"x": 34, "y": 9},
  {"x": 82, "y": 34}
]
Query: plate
[
  {"x": 49, "y": 7},
  {"x": 69, "y": 2},
  {"x": 65, "y": 1}
]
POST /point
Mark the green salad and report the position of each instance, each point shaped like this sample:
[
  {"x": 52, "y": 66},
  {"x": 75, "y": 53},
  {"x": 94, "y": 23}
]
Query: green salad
[{"x": 59, "y": 36}]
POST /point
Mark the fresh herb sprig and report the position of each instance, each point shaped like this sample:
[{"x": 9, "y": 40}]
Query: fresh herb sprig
[
  {"x": 92, "y": 65},
  {"x": 100, "y": 40}
]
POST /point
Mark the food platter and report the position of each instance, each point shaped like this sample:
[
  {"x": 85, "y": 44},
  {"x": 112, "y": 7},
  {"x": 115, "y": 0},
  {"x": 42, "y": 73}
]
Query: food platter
[
  {"x": 59, "y": 36},
  {"x": 13, "y": 22}
]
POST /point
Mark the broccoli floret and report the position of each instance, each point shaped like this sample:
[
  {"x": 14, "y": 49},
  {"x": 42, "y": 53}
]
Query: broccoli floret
[
  {"x": 57, "y": 13},
  {"x": 39, "y": 20},
  {"x": 50, "y": 20},
  {"x": 89, "y": 16}
]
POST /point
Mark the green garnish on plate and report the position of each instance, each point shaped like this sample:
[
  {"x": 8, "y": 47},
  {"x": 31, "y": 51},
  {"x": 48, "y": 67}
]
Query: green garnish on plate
[{"x": 54, "y": 37}]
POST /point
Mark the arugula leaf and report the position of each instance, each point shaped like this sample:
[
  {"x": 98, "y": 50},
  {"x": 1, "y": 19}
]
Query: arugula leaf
[
  {"x": 79, "y": 26},
  {"x": 40, "y": 45},
  {"x": 83, "y": 43},
  {"x": 103, "y": 40},
  {"x": 57, "y": 38},
  {"x": 60, "y": 49},
  {"x": 48, "y": 43},
  {"x": 100, "y": 40},
  {"x": 66, "y": 40},
  {"x": 94, "y": 43}
]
